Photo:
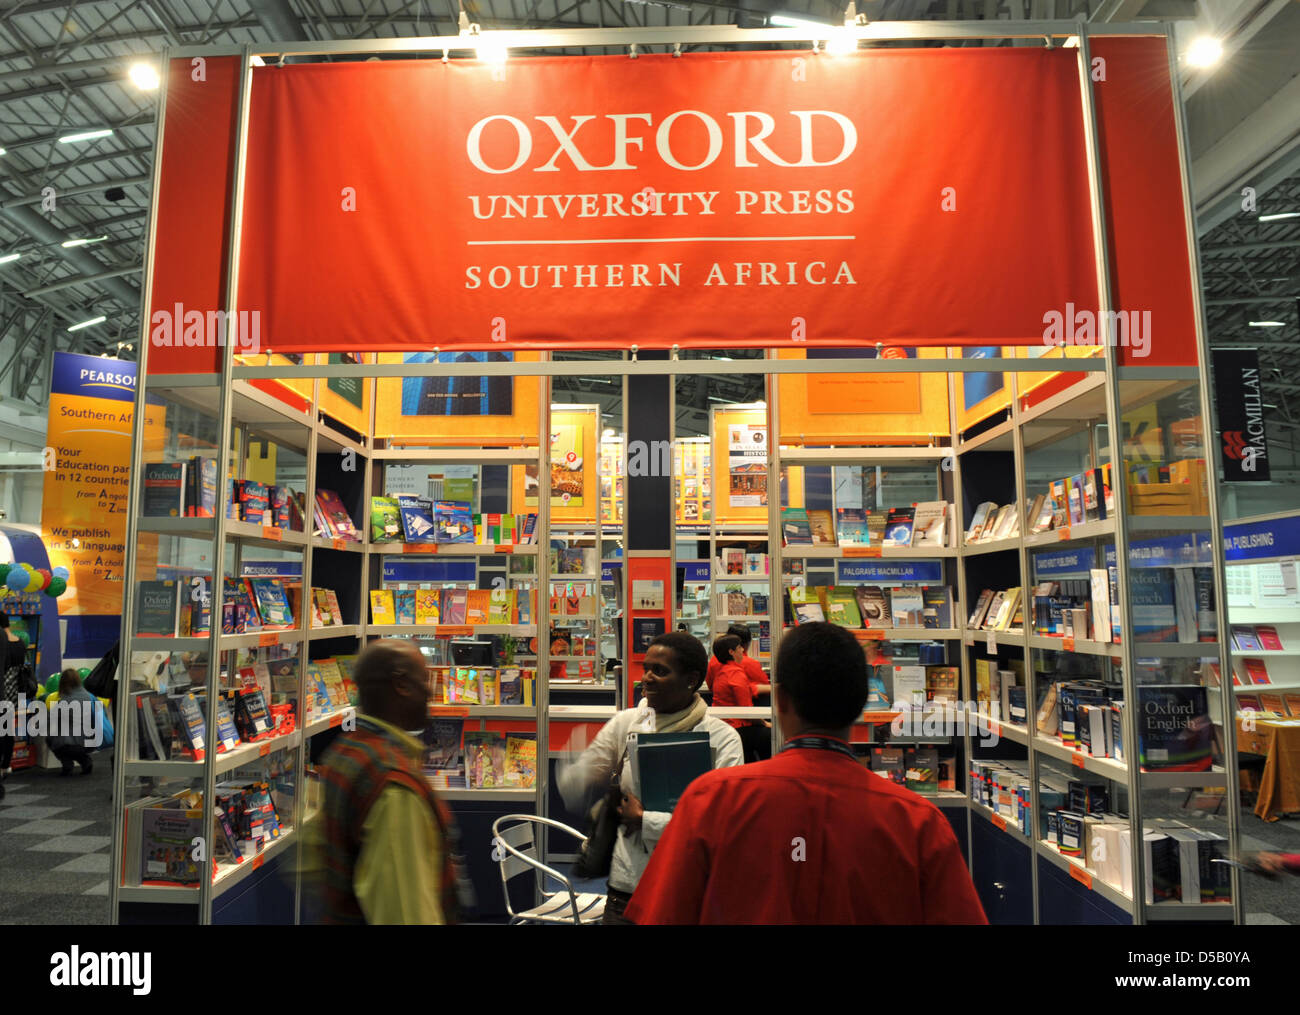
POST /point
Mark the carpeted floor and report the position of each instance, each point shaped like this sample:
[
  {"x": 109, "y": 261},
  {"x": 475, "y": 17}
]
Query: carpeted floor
[{"x": 55, "y": 846}]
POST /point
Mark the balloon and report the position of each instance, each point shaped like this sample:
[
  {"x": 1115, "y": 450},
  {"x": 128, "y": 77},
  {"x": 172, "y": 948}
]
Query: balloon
[
  {"x": 18, "y": 579},
  {"x": 45, "y": 578},
  {"x": 84, "y": 672},
  {"x": 52, "y": 684},
  {"x": 61, "y": 572},
  {"x": 56, "y": 588},
  {"x": 4, "y": 571}
]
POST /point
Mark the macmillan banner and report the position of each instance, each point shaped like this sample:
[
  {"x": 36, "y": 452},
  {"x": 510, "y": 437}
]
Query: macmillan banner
[{"x": 1239, "y": 396}]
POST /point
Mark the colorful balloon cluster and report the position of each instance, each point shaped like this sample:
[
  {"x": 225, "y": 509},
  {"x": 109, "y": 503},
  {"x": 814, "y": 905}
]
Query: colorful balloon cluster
[{"x": 26, "y": 578}]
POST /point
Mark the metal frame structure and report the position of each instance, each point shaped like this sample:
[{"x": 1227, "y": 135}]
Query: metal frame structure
[{"x": 631, "y": 39}]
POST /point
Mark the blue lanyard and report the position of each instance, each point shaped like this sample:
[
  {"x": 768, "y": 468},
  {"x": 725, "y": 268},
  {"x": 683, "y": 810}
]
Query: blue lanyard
[{"x": 816, "y": 743}]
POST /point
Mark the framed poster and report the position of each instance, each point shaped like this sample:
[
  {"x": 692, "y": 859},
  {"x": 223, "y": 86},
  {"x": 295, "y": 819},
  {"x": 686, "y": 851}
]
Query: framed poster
[{"x": 575, "y": 493}]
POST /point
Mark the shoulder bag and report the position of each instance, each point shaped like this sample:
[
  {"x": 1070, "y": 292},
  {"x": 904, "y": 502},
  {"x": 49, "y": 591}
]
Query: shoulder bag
[{"x": 598, "y": 850}]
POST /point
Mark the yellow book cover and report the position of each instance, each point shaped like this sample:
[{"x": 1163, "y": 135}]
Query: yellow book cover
[
  {"x": 323, "y": 606},
  {"x": 332, "y": 676},
  {"x": 501, "y": 606},
  {"x": 983, "y": 681},
  {"x": 527, "y": 686},
  {"x": 466, "y": 679},
  {"x": 480, "y": 601},
  {"x": 427, "y": 603},
  {"x": 487, "y": 684},
  {"x": 381, "y": 607}
]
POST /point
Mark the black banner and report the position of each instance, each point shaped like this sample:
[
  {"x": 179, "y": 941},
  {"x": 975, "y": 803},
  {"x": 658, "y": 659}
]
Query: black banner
[{"x": 1239, "y": 396}]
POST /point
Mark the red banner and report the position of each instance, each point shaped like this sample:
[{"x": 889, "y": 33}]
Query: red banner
[
  {"x": 717, "y": 199},
  {"x": 932, "y": 196}
]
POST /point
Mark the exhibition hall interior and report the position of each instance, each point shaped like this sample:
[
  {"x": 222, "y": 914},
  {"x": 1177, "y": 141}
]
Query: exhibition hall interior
[{"x": 970, "y": 328}]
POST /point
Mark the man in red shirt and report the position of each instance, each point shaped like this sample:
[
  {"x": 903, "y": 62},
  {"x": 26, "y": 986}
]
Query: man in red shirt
[
  {"x": 753, "y": 671},
  {"x": 811, "y": 836},
  {"x": 731, "y": 688}
]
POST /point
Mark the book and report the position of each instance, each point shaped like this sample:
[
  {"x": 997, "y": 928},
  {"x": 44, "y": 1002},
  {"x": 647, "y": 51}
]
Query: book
[
  {"x": 442, "y": 744},
  {"x": 979, "y": 519},
  {"x": 1007, "y": 521},
  {"x": 157, "y": 608},
  {"x": 417, "y": 518},
  {"x": 201, "y": 487},
  {"x": 823, "y": 529},
  {"x": 909, "y": 686},
  {"x": 1040, "y": 515},
  {"x": 187, "y": 725},
  {"x": 425, "y": 606},
  {"x": 477, "y": 604},
  {"x": 937, "y": 606},
  {"x": 382, "y": 609},
  {"x": 907, "y": 606},
  {"x": 227, "y": 733},
  {"x": 1273, "y": 702},
  {"x": 272, "y": 602},
  {"x": 840, "y": 605},
  {"x": 453, "y": 522},
  {"x": 254, "y": 501},
  {"x": 805, "y": 605},
  {"x": 279, "y": 512},
  {"x": 167, "y": 834},
  {"x": 929, "y": 523},
  {"x": 1155, "y": 615},
  {"x": 1099, "y": 589},
  {"x": 921, "y": 770},
  {"x": 851, "y": 527},
  {"x": 454, "y": 604},
  {"x": 1268, "y": 638},
  {"x": 331, "y": 675},
  {"x": 338, "y": 523},
  {"x": 1174, "y": 729},
  {"x": 898, "y": 527},
  {"x": 876, "y": 527},
  {"x": 1256, "y": 671},
  {"x": 1007, "y": 610},
  {"x": 1244, "y": 638},
  {"x": 796, "y": 528},
  {"x": 252, "y": 717},
  {"x": 981, "y": 609},
  {"x": 666, "y": 763},
  {"x": 521, "y": 760},
  {"x": 385, "y": 519},
  {"x": 162, "y": 493},
  {"x": 873, "y": 606},
  {"x": 485, "y": 759},
  {"x": 510, "y": 686},
  {"x": 1074, "y": 499},
  {"x": 942, "y": 684},
  {"x": 1058, "y": 495}
]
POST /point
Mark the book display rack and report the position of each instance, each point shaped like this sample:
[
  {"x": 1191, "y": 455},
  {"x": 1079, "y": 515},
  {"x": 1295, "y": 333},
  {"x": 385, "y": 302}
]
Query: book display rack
[{"x": 1025, "y": 539}]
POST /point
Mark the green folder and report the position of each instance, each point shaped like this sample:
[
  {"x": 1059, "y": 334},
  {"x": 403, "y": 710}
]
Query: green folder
[{"x": 666, "y": 763}]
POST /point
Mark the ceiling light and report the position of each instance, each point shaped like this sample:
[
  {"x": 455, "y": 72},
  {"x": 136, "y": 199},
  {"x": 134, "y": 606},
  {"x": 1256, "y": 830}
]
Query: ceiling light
[
  {"x": 144, "y": 76},
  {"x": 1205, "y": 51},
  {"x": 83, "y": 241},
  {"x": 841, "y": 41},
  {"x": 491, "y": 52},
  {"x": 86, "y": 324},
  {"x": 1268, "y": 324},
  {"x": 1280, "y": 215},
  {"x": 9, "y": 257},
  {"x": 785, "y": 21},
  {"x": 89, "y": 135}
]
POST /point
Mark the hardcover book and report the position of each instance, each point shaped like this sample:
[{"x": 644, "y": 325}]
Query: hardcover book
[
  {"x": 254, "y": 501},
  {"x": 201, "y": 487},
  {"x": 163, "y": 490},
  {"x": 157, "y": 607},
  {"x": 279, "y": 513},
  {"x": 417, "y": 519},
  {"x": 1174, "y": 729},
  {"x": 252, "y": 717},
  {"x": 898, "y": 527},
  {"x": 942, "y": 684},
  {"x": 1153, "y": 603}
]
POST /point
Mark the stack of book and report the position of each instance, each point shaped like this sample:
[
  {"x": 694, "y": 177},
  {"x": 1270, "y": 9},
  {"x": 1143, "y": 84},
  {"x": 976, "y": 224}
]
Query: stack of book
[
  {"x": 410, "y": 519},
  {"x": 167, "y": 608},
  {"x": 736, "y": 562},
  {"x": 997, "y": 611},
  {"x": 991, "y": 522},
  {"x": 332, "y": 519},
  {"x": 186, "y": 489},
  {"x": 872, "y": 606},
  {"x": 924, "y": 524}
]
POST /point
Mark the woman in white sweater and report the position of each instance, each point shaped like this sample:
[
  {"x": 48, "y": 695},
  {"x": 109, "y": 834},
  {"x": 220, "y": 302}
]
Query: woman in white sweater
[{"x": 674, "y": 669}]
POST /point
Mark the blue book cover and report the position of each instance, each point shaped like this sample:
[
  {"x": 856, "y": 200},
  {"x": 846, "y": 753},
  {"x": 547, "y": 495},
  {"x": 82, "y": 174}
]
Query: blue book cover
[
  {"x": 666, "y": 763},
  {"x": 272, "y": 602},
  {"x": 453, "y": 521},
  {"x": 417, "y": 518},
  {"x": 404, "y": 605},
  {"x": 201, "y": 487},
  {"x": 851, "y": 526},
  {"x": 1155, "y": 615},
  {"x": 1174, "y": 729}
]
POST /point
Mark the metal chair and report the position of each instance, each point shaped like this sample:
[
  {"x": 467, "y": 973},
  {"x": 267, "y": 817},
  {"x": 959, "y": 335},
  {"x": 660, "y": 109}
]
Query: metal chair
[{"x": 519, "y": 843}]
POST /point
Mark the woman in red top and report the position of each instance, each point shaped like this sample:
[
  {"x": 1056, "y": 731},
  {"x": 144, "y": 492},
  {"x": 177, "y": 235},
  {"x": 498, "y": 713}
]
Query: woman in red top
[
  {"x": 731, "y": 688},
  {"x": 758, "y": 683}
]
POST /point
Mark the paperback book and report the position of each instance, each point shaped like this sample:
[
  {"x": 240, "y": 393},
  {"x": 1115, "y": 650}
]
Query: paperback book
[
  {"x": 898, "y": 527},
  {"x": 385, "y": 519}
]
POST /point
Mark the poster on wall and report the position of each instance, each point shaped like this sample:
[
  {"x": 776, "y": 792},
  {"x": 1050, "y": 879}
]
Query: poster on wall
[
  {"x": 458, "y": 396},
  {"x": 84, "y": 497},
  {"x": 1243, "y": 447},
  {"x": 747, "y": 465},
  {"x": 568, "y": 476},
  {"x": 874, "y": 393}
]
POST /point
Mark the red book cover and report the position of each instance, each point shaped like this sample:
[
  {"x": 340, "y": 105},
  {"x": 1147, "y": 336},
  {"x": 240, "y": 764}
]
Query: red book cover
[
  {"x": 1268, "y": 639},
  {"x": 1248, "y": 703},
  {"x": 1257, "y": 671}
]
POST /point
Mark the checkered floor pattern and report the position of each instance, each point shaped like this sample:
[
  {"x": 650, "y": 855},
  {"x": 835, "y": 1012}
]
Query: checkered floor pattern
[{"x": 55, "y": 836}]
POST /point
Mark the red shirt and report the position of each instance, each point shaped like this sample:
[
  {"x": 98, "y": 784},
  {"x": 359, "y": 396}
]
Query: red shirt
[
  {"x": 751, "y": 667},
  {"x": 810, "y": 837},
  {"x": 731, "y": 687}
]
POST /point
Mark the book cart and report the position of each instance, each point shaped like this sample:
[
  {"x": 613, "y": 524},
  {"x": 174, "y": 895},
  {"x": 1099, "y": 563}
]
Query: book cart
[{"x": 1077, "y": 410}]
